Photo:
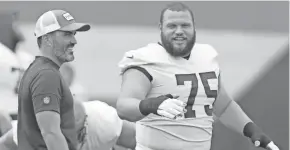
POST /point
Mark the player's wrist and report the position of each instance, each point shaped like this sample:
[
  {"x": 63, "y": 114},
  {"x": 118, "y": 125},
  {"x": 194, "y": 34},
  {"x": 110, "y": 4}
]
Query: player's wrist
[
  {"x": 151, "y": 105},
  {"x": 253, "y": 132},
  {"x": 146, "y": 107}
]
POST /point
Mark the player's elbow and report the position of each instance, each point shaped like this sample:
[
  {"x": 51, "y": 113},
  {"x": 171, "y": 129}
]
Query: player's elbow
[
  {"x": 219, "y": 111},
  {"x": 222, "y": 103},
  {"x": 124, "y": 110},
  {"x": 121, "y": 108}
]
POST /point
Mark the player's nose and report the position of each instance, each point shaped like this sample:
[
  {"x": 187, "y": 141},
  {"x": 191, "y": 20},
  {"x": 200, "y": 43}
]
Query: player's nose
[{"x": 179, "y": 31}]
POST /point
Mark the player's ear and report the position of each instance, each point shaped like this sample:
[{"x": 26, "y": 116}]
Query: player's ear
[{"x": 160, "y": 26}]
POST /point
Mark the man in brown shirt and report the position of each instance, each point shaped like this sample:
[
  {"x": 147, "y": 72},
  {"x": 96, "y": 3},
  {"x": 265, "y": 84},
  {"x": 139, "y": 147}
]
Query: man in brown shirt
[{"x": 45, "y": 111}]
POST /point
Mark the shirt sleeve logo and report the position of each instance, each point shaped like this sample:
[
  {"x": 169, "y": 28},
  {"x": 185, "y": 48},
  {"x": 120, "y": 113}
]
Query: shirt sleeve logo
[{"x": 46, "y": 100}]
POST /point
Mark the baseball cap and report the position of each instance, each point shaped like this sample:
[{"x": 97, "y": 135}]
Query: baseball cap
[{"x": 54, "y": 20}]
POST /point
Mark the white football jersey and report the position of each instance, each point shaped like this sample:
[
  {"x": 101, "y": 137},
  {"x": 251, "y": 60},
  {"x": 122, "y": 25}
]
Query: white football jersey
[
  {"x": 195, "y": 81},
  {"x": 24, "y": 58},
  {"x": 104, "y": 126},
  {"x": 9, "y": 76}
]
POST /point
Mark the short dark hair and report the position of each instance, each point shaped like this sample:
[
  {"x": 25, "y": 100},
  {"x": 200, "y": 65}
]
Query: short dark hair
[
  {"x": 39, "y": 39},
  {"x": 176, "y": 6}
]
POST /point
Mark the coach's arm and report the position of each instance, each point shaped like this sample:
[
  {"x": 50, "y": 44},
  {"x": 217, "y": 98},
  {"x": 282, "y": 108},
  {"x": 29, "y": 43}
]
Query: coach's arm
[
  {"x": 232, "y": 116},
  {"x": 46, "y": 103}
]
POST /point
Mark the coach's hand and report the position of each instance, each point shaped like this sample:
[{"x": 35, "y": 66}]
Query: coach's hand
[{"x": 165, "y": 105}]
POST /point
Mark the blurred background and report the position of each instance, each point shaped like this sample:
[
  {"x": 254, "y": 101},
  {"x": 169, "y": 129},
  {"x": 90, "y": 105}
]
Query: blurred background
[{"x": 250, "y": 37}]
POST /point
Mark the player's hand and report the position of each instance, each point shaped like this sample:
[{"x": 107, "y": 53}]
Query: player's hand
[
  {"x": 270, "y": 146},
  {"x": 165, "y": 105},
  {"x": 171, "y": 107}
]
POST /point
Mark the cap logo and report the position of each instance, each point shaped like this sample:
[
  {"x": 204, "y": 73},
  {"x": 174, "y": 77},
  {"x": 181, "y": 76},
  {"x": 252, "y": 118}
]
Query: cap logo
[{"x": 67, "y": 16}]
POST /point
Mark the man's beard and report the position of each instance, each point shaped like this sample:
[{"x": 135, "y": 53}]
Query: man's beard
[
  {"x": 62, "y": 55},
  {"x": 178, "y": 53}
]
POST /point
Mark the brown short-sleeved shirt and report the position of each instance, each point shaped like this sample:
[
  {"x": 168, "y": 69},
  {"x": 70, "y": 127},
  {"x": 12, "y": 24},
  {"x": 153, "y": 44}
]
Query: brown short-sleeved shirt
[{"x": 43, "y": 89}]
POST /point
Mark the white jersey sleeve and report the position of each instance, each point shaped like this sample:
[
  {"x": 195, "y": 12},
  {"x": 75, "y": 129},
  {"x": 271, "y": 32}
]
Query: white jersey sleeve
[
  {"x": 104, "y": 125},
  {"x": 149, "y": 55}
]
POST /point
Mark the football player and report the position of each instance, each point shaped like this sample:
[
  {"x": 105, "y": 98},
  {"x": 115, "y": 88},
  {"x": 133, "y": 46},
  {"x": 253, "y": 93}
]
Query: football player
[
  {"x": 10, "y": 74},
  {"x": 173, "y": 89},
  {"x": 98, "y": 126},
  {"x": 13, "y": 61}
]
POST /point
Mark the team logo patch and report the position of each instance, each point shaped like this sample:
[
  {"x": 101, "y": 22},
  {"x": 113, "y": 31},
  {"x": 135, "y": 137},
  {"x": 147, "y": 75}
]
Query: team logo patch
[
  {"x": 67, "y": 16},
  {"x": 46, "y": 100}
]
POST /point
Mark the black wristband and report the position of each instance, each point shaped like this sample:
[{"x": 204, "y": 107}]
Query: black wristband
[
  {"x": 151, "y": 105},
  {"x": 252, "y": 131},
  {"x": 146, "y": 107},
  {"x": 249, "y": 129}
]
